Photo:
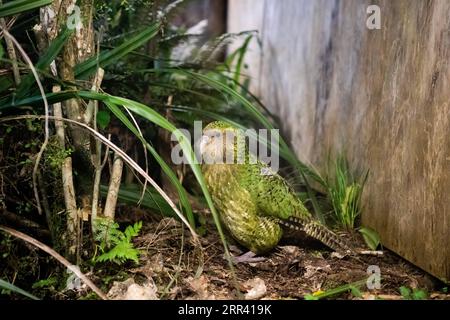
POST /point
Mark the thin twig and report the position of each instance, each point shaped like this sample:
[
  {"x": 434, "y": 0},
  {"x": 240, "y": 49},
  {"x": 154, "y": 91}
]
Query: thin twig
[
  {"x": 57, "y": 256},
  {"x": 122, "y": 154},
  {"x": 46, "y": 127}
]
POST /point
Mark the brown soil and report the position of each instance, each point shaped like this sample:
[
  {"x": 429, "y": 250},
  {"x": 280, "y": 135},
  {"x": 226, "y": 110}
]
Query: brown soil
[{"x": 184, "y": 270}]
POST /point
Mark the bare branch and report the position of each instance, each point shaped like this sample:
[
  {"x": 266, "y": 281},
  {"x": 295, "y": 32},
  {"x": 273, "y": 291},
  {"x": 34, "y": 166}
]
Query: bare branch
[
  {"x": 57, "y": 256},
  {"x": 114, "y": 186}
]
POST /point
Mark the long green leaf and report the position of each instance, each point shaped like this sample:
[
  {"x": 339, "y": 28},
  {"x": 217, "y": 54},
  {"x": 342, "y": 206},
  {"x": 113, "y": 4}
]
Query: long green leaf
[
  {"x": 242, "y": 51},
  {"x": 19, "y": 6},
  {"x": 371, "y": 237},
  {"x": 9, "y": 286},
  {"x": 8, "y": 103},
  {"x": 44, "y": 61},
  {"x": 338, "y": 290},
  {"x": 167, "y": 170},
  {"x": 88, "y": 67}
]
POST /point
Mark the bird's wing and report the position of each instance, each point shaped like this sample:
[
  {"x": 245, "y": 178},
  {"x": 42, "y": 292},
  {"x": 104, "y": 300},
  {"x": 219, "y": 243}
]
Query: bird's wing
[{"x": 273, "y": 195}]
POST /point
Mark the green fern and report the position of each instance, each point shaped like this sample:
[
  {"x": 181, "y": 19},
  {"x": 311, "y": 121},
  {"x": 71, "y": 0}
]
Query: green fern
[{"x": 115, "y": 245}]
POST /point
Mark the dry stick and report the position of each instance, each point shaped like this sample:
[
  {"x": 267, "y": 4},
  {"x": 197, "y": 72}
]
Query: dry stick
[
  {"x": 57, "y": 256},
  {"x": 93, "y": 104},
  {"x": 91, "y": 115},
  {"x": 11, "y": 52},
  {"x": 66, "y": 173},
  {"x": 120, "y": 153},
  {"x": 46, "y": 129},
  {"x": 114, "y": 186},
  {"x": 99, "y": 165},
  {"x": 9, "y": 24},
  {"x": 20, "y": 221}
]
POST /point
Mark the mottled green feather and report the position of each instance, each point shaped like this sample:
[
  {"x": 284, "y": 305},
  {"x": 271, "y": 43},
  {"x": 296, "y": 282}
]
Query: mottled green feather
[{"x": 253, "y": 205}]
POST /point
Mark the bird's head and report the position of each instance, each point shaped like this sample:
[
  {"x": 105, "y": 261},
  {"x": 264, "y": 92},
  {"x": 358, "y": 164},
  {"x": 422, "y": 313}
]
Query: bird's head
[{"x": 218, "y": 141}]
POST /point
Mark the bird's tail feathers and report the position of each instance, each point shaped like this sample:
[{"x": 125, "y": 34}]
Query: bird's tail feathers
[{"x": 320, "y": 232}]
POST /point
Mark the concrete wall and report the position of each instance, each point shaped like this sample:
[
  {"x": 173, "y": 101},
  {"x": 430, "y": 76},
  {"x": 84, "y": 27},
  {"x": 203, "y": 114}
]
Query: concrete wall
[{"x": 382, "y": 95}]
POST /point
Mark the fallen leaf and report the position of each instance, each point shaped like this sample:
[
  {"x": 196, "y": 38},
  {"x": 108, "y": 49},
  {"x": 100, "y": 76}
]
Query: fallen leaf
[{"x": 199, "y": 286}]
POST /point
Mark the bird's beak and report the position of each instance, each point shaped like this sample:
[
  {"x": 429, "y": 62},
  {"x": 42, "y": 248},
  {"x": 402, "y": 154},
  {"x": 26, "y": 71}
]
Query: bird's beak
[{"x": 203, "y": 141}]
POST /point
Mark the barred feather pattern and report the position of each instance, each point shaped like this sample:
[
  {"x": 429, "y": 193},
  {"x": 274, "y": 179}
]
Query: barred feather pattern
[
  {"x": 317, "y": 231},
  {"x": 253, "y": 206}
]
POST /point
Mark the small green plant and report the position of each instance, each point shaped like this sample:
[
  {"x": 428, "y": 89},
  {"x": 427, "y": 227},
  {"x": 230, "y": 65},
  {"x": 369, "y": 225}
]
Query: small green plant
[
  {"x": 116, "y": 246},
  {"x": 413, "y": 294},
  {"x": 371, "y": 237},
  {"x": 45, "y": 283},
  {"x": 344, "y": 191},
  {"x": 55, "y": 156}
]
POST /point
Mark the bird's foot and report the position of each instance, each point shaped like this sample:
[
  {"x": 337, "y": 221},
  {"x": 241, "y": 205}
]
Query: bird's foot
[
  {"x": 235, "y": 249},
  {"x": 248, "y": 257}
]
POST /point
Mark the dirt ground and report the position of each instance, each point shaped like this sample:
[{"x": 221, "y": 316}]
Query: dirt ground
[{"x": 177, "y": 268}]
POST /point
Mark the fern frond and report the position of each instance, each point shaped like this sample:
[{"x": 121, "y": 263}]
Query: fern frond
[
  {"x": 109, "y": 236},
  {"x": 120, "y": 253}
]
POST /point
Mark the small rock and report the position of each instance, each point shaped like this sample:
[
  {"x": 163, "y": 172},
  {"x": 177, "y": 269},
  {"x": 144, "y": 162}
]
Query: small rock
[
  {"x": 311, "y": 270},
  {"x": 137, "y": 292},
  {"x": 337, "y": 255},
  {"x": 368, "y": 296},
  {"x": 129, "y": 290},
  {"x": 257, "y": 289},
  {"x": 292, "y": 250}
]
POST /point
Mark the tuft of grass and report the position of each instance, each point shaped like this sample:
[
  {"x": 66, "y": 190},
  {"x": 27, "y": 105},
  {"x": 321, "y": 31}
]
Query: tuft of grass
[
  {"x": 344, "y": 192},
  {"x": 413, "y": 294}
]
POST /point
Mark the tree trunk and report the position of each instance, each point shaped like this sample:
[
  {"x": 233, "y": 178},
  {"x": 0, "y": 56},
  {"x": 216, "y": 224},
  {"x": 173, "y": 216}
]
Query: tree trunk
[{"x": 59, "y": 15}]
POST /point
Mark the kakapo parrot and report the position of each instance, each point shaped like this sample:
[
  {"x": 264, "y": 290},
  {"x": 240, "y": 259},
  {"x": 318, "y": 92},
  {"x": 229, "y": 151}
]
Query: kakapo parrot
[{"x": 254, "y": 205}]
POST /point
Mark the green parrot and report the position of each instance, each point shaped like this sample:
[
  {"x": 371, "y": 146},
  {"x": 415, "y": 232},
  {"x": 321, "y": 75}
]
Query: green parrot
[{"x": 253, "y": 205}]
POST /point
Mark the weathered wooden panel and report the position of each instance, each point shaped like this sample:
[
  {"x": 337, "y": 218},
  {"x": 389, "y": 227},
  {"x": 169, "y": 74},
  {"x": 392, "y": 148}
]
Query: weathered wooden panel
[
  {"x": 238, "y": 20},
  {"x": 382, "y": 95}
]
